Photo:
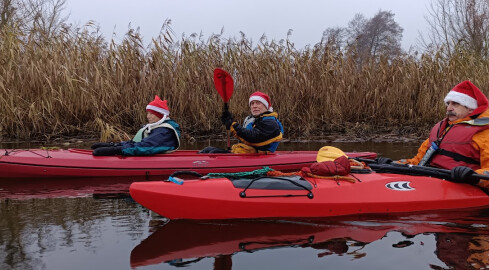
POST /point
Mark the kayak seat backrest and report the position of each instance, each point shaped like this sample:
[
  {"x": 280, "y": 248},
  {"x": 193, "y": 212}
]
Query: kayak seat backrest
[{"x": 277, "y": 183}]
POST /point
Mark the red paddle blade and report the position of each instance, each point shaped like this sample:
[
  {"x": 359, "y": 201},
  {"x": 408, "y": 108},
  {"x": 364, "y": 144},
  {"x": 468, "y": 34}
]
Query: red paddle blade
[{"x": 224, "y": 84}]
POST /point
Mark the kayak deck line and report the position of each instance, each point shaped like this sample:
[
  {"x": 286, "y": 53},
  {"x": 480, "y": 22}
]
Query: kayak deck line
[{"x": 142, "y": 169}]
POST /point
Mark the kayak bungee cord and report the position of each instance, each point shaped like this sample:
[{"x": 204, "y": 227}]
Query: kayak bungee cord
[
  {"x": 256, "y": 173},
  {"x": 7, "y": 153},
  {"x": 47, "y": 153},
  {"x": 242, "y": 194}
]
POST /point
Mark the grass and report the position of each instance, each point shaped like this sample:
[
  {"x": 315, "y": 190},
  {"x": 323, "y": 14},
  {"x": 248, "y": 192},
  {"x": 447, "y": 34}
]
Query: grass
[{"x": 78, "y": 84}]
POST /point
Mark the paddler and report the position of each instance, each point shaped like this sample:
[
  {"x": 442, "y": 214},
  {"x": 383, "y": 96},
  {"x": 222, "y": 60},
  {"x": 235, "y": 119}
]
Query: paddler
[
  {"x": 160, "y": 135},
  {"x": 460, "y": 142},
  {"x": 261, "y": 131}
]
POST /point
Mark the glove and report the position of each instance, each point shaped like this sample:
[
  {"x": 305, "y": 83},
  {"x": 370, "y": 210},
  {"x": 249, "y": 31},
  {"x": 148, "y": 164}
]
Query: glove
[
  {"x": 383, "y": 160},
  {"x": 227, "y": 119},
  {"x": 462, "y": 174},
  {"x": 102, "y": 144},
  {"x": 212, "y": 150},
  {"x": 108, "y": 151},
  {"x": 219, "y": 151}
]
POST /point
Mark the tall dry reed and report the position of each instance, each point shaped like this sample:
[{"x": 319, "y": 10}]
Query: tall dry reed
[{"x": 77, "y": 84}]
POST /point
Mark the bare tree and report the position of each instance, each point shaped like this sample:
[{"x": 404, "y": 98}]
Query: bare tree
[
  {"x": 40, "y": 16},
  {"x": 334, "y": 37},
  {"x": 458, "y": 24},
  {"x": 356, "y": 27},
  {"x": 47, "y": 17},
  {"x": 375, "y": 37},
  {"x": 9, "y": 13}
]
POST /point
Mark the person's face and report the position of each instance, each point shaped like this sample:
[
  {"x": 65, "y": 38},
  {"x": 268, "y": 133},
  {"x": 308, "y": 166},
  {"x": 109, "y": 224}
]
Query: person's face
[
  {"x": 456, "y": 111},
  {"x": 152, "y": 118},
  {"x": 257, "y": 108}
]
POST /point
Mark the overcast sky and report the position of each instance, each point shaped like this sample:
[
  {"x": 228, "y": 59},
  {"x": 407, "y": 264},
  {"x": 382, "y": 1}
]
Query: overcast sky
[{"x": 307, "y": 18}]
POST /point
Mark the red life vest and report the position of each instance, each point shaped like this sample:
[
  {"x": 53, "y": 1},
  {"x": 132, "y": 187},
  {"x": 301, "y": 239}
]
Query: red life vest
[{"x": 455, "y": 148}]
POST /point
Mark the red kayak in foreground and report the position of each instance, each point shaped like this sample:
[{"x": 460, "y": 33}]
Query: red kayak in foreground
[
  {"x": 283, "y": 197},
  {"x": 36, "y": 163}
]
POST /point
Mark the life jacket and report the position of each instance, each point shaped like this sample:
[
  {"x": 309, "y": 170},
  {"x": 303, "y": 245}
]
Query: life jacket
[
  {"x": 455, "y": 143},
  {"x": 270, "y": 144},
  {"x": 168, "y": 123}
]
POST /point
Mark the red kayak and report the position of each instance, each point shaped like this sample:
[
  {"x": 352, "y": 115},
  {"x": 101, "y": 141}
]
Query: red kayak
[
  {"x": 284, "y": 197},
  {"x": 36, "y": 163}
]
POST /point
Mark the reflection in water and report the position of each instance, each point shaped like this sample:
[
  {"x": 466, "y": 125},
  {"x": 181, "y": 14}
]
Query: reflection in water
[
  {"x": 184, "y": 243},
  {"x": 105, "y": 232},
  {"x": 23, "y": 189},
  {"x": 463, "y": 251},
  {"x": 31, "y": 230}
]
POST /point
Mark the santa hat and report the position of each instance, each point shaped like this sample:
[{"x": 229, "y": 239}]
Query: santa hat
[
  {"x": 468, "y": 95},
  {"x": 263, "y": 98},
  {"x": 158, "y": 107}
]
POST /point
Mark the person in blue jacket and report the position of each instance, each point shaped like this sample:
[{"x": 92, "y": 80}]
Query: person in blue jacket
[
  {"x": 261, "y": 131},
  {"x": 160, "y": 135}
]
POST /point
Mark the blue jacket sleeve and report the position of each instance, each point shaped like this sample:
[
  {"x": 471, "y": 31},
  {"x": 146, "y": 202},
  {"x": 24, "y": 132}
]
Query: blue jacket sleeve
[
  {"x": 264, "y": 129},
  {"x": 160, "y": 140}
]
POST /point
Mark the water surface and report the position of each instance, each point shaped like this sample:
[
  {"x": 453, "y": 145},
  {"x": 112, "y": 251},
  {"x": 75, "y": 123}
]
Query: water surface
[{"x": 94, "y": 224}]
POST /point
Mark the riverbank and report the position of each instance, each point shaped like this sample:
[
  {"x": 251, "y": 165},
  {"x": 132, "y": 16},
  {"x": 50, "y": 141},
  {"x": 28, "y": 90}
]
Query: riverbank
[{"x": 193, "y": 142}]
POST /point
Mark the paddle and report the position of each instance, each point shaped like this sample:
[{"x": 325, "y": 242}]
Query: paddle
[
  {"x": 224, "y": 85},
  {"x": 414, "y": 170}
]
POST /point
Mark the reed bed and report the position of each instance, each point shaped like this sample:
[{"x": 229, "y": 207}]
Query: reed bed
[{"x": 77, "y": 84}]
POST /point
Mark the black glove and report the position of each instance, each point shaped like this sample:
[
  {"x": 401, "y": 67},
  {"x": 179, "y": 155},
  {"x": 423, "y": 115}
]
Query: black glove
[
  {"x": 383, "y": 160},
  {"x": 218, "y": 150},
  {"x": 108, "y": 151},
  {"x": 462, "y": 174},
  {"x": 227, "y": 119},
  {"x": 213, "y": 150},
  {"x": 102, "y": 144}
]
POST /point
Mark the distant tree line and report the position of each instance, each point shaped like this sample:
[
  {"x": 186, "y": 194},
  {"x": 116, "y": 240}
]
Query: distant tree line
[
  {"x": 452, "y": 25},
  {"x": 379, "y": 36}
]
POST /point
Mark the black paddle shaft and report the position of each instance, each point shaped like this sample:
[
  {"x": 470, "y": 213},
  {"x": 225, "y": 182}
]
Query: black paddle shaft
[{"x": 419, "y": 170}]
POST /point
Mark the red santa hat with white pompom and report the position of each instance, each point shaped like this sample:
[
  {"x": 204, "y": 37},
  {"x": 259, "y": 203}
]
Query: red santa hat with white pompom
[
  {"x": 158, "y": 107},
  {"x": 468, "y": 95},
  {"x": 263, "y": 98}
]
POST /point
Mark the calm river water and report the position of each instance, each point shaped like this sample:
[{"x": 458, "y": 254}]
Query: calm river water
[{"x": 94, "y": 224}]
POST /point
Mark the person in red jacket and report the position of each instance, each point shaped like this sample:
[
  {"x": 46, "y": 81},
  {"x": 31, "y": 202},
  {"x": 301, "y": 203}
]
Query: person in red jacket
[{"x": 460, "y": 142}]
